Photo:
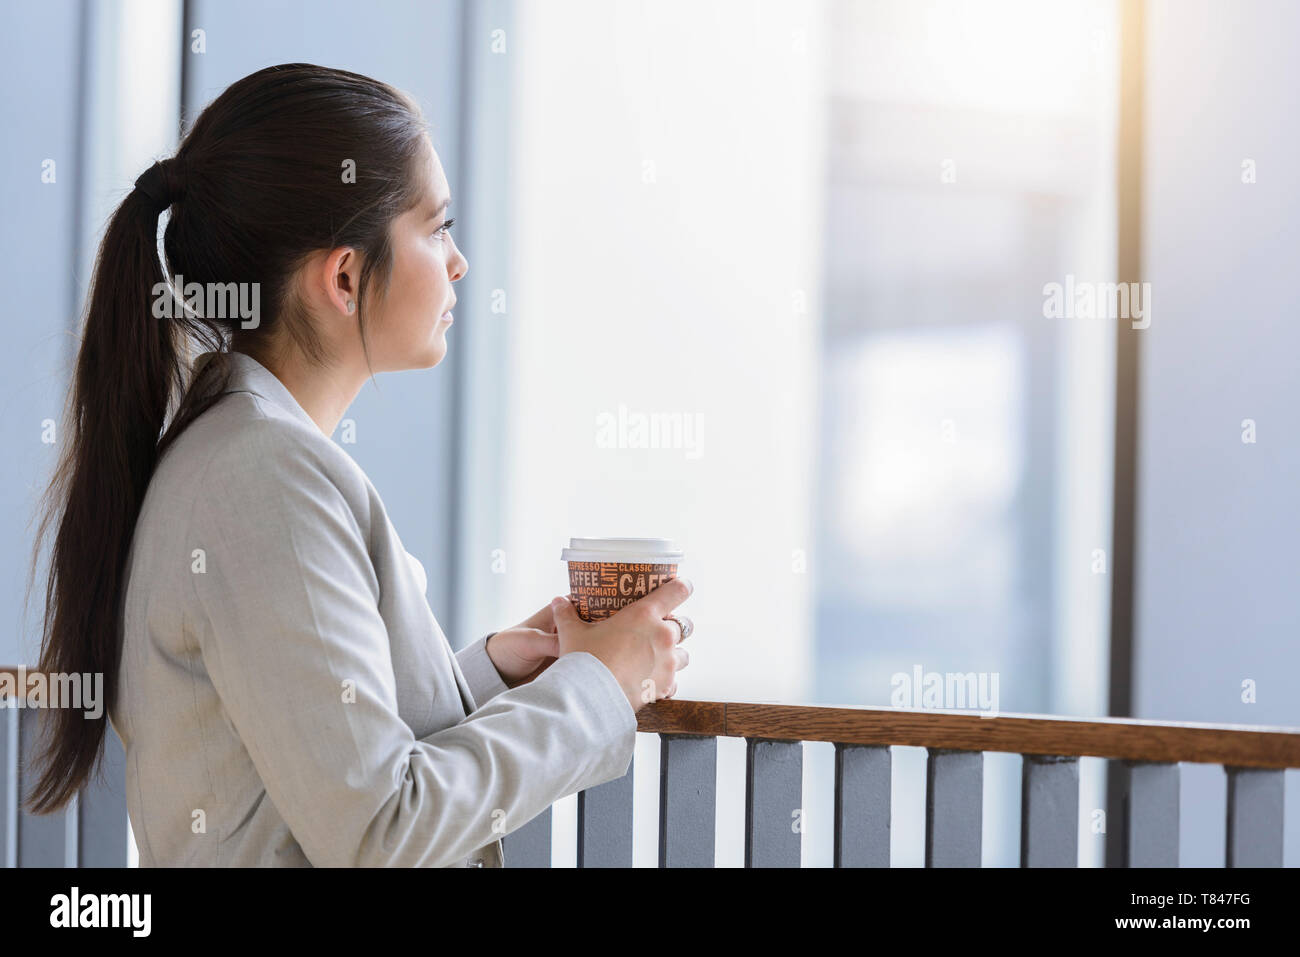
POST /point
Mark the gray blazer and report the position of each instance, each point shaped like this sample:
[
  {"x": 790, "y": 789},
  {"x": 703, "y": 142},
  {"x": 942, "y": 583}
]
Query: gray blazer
[{"x": 286, "y": 696}]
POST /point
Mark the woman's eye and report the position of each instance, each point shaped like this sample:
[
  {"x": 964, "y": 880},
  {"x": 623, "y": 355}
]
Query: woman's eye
[{"x": 445, "y": 227}]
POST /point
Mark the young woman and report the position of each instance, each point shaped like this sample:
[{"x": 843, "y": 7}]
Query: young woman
[{"x": 270, "y": 662}]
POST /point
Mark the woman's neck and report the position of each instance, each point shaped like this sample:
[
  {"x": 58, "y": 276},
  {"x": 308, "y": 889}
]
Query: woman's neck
[{"x": 324, "y": 392}]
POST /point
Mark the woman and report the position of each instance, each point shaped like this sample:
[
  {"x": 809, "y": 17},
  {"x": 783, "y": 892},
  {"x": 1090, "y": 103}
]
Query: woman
[{"x": 270, "y": 663}]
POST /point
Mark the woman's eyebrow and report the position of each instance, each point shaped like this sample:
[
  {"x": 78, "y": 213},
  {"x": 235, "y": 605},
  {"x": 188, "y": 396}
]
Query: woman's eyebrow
[{"x": 437, "y": 212}]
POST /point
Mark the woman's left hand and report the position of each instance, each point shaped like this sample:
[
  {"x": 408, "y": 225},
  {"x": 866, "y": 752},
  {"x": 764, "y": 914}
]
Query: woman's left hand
[{"x": 523, "y": 652}]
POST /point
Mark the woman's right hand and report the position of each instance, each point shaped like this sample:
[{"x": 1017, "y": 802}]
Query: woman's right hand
[{"x": 636, "y": 643}]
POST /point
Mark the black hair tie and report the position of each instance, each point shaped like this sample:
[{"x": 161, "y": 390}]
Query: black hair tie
[{"x": 162, "y": 183}]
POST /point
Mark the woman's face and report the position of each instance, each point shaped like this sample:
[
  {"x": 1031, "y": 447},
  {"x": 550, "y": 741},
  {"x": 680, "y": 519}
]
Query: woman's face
[{"x": 411, "y": 321}]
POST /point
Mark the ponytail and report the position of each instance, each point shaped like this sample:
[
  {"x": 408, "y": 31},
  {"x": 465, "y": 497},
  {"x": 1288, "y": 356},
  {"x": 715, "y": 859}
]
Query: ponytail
[{"x": 127, "y": 371}]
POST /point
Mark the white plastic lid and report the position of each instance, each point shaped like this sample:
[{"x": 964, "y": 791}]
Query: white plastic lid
[{"x": 649, "y": 551}]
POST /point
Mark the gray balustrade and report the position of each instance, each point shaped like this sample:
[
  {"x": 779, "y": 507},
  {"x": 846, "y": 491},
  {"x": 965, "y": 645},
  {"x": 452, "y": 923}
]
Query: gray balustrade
[
  {"x": 1150, "y": 824},
  {"x": 1255, "y": 807},
  {"x": 8, "y": 784},
  {"x": 605, "y": 823},
  {"x": 773, "y": 803},
  {"x": 92, "y": 830},
  {"x": 101, "y": 810},
  {"x": 862, "y": 781},
  {"x": 1049, "y": 811},
  {"x": 44, "y": 840},
  {"x": 954, "y": 808},
  {"x": 688, "y": 767},
  {"x": 530, "y": 845}
]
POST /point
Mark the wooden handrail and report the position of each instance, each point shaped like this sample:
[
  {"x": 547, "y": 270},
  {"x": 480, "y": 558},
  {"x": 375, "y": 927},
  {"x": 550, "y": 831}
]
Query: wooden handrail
[{"x": 1241, "y": 746}]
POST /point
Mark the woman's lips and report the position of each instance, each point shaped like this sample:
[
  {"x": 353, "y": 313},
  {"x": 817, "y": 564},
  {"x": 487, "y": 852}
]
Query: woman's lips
[{"x": 448, "y": 316}]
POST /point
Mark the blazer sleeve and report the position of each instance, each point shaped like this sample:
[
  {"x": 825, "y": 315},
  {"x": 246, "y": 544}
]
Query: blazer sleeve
[
  {"x": 290, "y": 633},
  {"x": 485, "y": 681}
]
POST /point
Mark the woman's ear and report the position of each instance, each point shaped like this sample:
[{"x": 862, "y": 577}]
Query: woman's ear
[{"x": 339, "y": 277}]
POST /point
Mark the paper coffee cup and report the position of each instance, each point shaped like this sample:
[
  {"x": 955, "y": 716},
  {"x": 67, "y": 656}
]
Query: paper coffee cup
[{"x": 607, "y": 573}]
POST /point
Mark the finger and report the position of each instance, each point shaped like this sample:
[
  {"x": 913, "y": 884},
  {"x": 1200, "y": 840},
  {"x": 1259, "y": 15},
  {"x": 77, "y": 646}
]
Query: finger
[
  {"x": 683, "y": 657},
  {"x": 543, "y": 619},
  {"x": 671, "y": 691},
  {"x": 666, "y": 597},
  {"x": 565, "y": 614},
  {"x": 685, "y": 629},
  {"x": 540, "y": 644}
]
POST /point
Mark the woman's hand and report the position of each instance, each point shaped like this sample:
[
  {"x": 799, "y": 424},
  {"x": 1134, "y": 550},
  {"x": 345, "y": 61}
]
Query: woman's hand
[
  {"x": 523, "y": 652},
  {"x": 638, "y": 644}
]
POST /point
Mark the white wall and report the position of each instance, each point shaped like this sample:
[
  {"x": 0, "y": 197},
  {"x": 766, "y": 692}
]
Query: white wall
[{"x": 668, "y": 216}]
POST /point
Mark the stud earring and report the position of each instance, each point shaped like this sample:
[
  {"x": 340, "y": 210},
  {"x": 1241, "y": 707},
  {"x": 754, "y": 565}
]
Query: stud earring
[{"x": 351, "y": 306}]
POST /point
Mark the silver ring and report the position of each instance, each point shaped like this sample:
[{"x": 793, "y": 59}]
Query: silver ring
[{"x": 684, "y": 624}]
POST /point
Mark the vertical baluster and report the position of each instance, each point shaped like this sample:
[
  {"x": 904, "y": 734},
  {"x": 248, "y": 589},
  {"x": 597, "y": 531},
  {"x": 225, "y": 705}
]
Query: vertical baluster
[
  {"x": 688, "y": 768},
  {"x": 862, "y": 779},
  {"x": 1255, "y": 813},
  {"x": 44, "y": 840},
  {"x": 101, "y": 810},
  {"x": 954, "y": 807},
  {"x": 773, "y": 797},
  {"x": 1149, "y": 835},
  {"x": 8, "y": 784},
  {"x": 605, "y": 823},
  {"x": 1049, "y": 811},
  {"x": 530, "y": 845}
]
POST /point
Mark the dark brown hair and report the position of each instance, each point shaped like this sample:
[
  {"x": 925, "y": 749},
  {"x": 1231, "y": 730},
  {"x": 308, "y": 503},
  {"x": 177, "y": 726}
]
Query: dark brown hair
[{"x": 258, "y": 183}]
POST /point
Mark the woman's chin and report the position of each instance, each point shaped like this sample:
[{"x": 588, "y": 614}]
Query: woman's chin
[
  {"x": 435, "y": 353},
  {"x": 428, "y": 353}
]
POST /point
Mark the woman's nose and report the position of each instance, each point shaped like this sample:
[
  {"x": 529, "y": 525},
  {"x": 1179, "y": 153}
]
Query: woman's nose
[{"x": 460, "y": 267}]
